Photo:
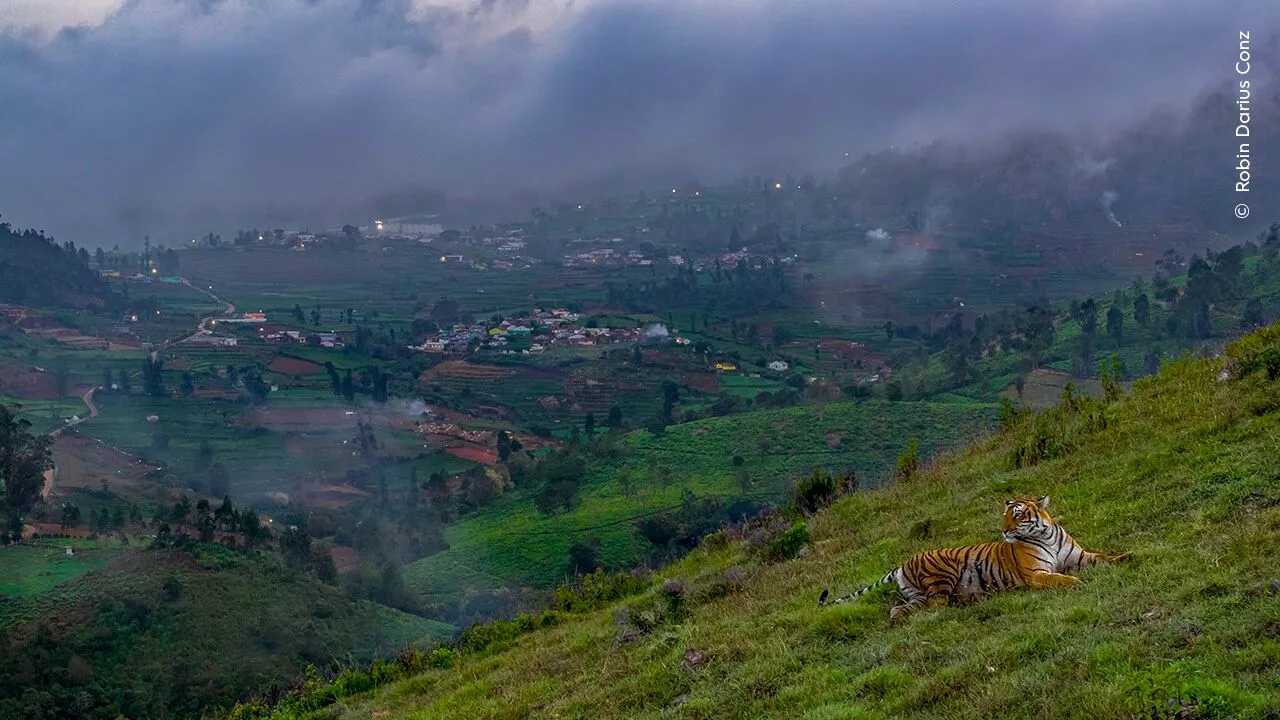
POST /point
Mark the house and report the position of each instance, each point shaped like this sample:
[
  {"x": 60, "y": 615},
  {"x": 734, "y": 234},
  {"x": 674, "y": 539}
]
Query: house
[
  {"x": 726, "y": 367},
  {"x": 254, "y": 316},
  {"x": 328, "y": 340},
  {"x": 433, "y": 346},
  {"x": 778, "y": 366}
]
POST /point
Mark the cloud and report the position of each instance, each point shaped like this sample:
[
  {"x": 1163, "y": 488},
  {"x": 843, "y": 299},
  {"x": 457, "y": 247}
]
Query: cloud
[{"x": 181, "y": 115}]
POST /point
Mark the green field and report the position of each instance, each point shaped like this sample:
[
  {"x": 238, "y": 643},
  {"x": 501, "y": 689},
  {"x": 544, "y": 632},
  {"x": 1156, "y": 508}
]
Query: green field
[
  {"x": 33, "y": 568},
  {"x": 512, "y": 541}
]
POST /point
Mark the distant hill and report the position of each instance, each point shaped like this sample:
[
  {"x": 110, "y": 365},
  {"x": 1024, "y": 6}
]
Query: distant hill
[
  {"x": 36, "y": 271},
  {"x": 113, "y": 631},
  {"x": 1180, "y": 473}
]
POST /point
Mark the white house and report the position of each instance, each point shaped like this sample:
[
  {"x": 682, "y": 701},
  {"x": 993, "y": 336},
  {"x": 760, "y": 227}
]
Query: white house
[{"x": 778, "y": 366}]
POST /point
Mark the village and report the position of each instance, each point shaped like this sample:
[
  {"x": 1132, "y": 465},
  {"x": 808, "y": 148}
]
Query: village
[{"x": 535, "y": 332}]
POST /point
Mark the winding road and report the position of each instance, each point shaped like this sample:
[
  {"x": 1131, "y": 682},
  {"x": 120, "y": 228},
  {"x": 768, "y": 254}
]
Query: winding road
[{"x": 87, "y": 397}]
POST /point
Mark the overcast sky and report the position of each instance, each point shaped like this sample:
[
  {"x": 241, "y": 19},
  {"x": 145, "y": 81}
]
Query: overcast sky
[{"x": 127, "y": 117}]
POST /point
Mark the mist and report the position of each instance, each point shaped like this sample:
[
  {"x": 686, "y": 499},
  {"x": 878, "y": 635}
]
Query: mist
[{"x": 178, "y": 117}]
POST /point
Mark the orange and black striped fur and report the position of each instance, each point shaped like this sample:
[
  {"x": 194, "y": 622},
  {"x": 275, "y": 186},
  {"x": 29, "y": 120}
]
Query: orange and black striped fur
[{"x": 1035, "y": 553}]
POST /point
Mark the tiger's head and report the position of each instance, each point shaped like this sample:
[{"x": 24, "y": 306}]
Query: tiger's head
[{"x": 1025, "y": 518}]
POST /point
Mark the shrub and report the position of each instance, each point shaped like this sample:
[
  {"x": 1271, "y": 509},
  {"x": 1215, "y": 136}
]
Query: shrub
[
  {"x": 788, "y": 544},
  {"x": 908, "y": 462},
  {"x": 1257, "y": 351},
  {"x": 821, "y": 488}
]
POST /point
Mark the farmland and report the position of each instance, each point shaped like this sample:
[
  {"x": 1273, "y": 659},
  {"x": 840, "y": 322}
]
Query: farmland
[{"x": 511, "y": 539}]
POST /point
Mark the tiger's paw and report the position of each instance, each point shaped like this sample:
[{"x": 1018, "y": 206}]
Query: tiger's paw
[{"x": 822, "y": 599}]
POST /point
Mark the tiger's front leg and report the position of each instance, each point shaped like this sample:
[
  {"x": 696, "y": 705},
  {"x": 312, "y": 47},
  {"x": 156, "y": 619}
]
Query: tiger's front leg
[{"x": 1043, "y": 579}]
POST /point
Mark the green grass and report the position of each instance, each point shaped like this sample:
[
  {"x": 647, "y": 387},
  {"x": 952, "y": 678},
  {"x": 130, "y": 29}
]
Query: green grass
[
  {"x": 1181, "y": 474},
  {"x": 511, "y": 540},
  {"x": 31, "y": 569},
  {"x": 195, "y": 631}
]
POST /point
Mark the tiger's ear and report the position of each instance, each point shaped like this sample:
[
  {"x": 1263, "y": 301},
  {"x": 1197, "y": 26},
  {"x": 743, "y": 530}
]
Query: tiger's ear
[
  {"x": 1007, "y": 503},
  {"x": 1043, "y": 502}
]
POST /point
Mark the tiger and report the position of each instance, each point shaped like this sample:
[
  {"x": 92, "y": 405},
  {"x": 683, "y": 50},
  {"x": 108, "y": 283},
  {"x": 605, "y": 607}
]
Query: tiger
[{"x": 1035, "y": 553}]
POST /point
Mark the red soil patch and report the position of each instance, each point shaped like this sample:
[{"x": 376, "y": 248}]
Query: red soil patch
[
  {"x": 465, "y": 370},
  {"x": 345, "y": 559},
  {"x": 294, "y": 366},
  {"x": 28, "y": 383},
  {"x": 474, "y": 454},
  {"x": 56, "y": 529},
  {"x": 703, "y": 382},
  {"x": 84, "y": 462}
]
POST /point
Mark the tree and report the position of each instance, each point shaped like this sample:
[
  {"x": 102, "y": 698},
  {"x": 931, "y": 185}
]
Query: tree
[
  {"x": 153, "y": 376},
  {"x": 298, "y": 315},
  {"x": 1253, "y": 315},
  {"x": 584, "y": 556},
  {"x": 315, "y": 317},
  {"x": 295, "y": 545},
  {"x": 24, "y": 458},
  {"x": 782, "y": 336},
  {"x": 1088, "y": 317},
  {"x": 670, "y": 396},
  {"x": 225, "y": 515},
  {"x": 626, "y": 485},
  {"x": 888, "y": 330},
  {"x": 445, "y": 312},
  {"x": 322, "y": 564},
  {"x": 219, "y": 479},
  {"x": 106, "y": 378},
  {"x": 188, "y": 385},
  {"x": 1141, "y": 310},
  {"x": 503, "y": 442},
  {"x": 743, "y": 476},
  {"x": 1115, "y": 323},
  {"x": 614, "y": 421},
  {"x": 1151, "y": 362},
  {"x": 168, "y": 262},
  {"x": 589, "y": 425}
]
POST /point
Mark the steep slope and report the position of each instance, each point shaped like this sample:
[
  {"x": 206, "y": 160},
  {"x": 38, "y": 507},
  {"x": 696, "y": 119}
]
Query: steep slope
[
  {"x": 36, "y": 271},
  {"x": 165, "y": 633},
  {"x": 1182, "y": 473}
]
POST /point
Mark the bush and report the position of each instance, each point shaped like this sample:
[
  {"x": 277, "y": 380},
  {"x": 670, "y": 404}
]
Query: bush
[
  {"x": 1257, "y": 351},
  {"x": 787, "y": 545},
  {"x": 908, "y": 462},
  {"x": 821, "y": 488}
]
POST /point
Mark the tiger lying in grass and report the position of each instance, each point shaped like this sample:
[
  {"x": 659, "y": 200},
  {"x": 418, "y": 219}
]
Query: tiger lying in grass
[{"x": 1035, "y": 553}]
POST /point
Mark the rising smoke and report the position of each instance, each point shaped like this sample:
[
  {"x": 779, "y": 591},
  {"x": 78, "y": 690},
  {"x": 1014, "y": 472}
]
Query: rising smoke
[{"x": 1108, "y": 199}]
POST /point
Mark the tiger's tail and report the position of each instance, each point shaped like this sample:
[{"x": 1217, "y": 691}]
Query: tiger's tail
[{"x": 822, "y": 600}]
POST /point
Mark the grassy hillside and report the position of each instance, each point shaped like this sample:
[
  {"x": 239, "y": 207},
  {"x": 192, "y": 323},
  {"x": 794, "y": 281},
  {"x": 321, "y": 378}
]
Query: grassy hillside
[
  {"x": 1181, "y": 473},
  {"x": 513, "y": 540},
  {"x": 112, "y": 630}
]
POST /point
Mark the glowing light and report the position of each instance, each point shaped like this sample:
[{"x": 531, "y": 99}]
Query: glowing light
[
  {"x": 441, "y": 258},
  {"x": 673, "y": 189},
  {"x": 777, "y": 186}
]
